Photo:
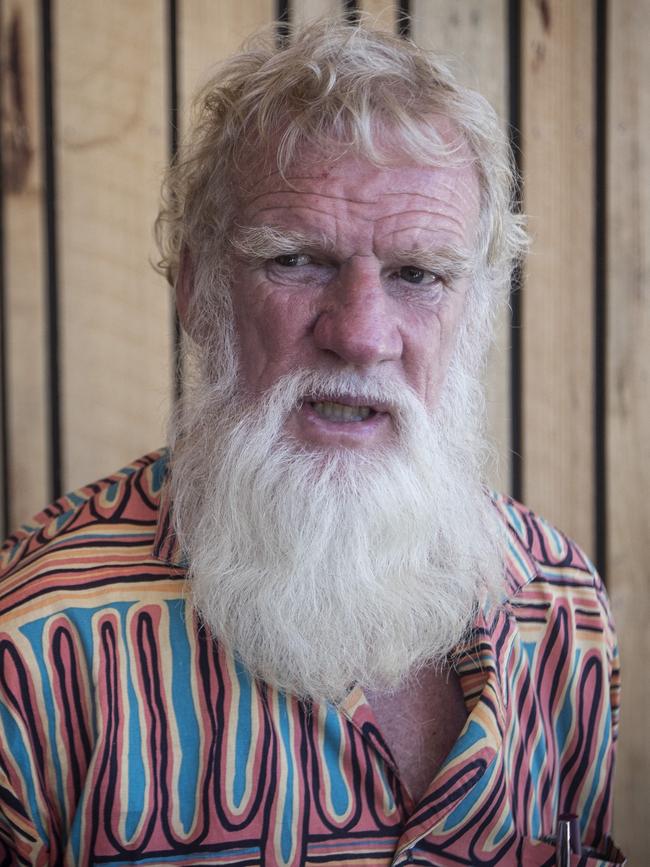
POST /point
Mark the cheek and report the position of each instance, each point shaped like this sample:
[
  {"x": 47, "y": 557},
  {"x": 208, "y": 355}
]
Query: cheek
[
  {"x": 448, "y": 340},
  {"x": 272, "y": 329},
  {"x": 433, "y": 350}
]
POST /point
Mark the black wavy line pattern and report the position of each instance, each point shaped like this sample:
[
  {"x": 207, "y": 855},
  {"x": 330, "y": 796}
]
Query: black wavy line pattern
[{"x": 104, "y": 663}]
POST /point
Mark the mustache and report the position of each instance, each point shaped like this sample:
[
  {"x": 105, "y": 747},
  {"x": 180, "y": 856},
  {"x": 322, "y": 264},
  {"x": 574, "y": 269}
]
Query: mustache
[
  {"x": 323, "y": 569},
  {"x": 381, "y": 393}
]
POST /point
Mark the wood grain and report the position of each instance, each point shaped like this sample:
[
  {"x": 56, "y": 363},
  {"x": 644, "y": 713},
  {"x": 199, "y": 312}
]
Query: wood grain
[
  {"x": 628, "y": 414},
  {"x": 557, "y": 319},
  {"x": 111, "y": 105},
  {"x": 384, "y": 14},
  {"x": 209, "y": 32},
  {"x": 381, "y": 13},
  {"x": 308, "y": 10},
  {"x": 112, "y": 113},
  {"x": 473, "y": 33},
  {"x": 25, "y": 324}
]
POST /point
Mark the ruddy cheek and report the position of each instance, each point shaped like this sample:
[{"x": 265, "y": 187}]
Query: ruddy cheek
[
  {"x": 425, "y": 361},
  {"x": 274, "y": 341}
]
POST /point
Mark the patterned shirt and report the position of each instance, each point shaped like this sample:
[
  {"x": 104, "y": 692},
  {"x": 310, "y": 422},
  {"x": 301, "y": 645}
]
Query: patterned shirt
[{"x": 129, "y": 736}]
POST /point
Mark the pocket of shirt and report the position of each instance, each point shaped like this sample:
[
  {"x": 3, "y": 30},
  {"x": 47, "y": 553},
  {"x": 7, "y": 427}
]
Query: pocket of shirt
[
  {"x": 541, "y": 853},
  {"x": 523, "y": 852}
]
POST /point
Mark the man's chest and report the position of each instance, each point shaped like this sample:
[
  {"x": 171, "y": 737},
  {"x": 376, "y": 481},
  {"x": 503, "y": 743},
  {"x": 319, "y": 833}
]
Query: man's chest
[
  {"x": 135, "y": 753},
  {"x": 420, "y": 722}
]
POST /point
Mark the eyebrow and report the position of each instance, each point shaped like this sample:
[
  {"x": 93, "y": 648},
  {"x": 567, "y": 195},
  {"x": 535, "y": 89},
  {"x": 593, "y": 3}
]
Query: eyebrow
[
  {"x": 266, "y": 242},
  {"x": 448, "y": 261}
]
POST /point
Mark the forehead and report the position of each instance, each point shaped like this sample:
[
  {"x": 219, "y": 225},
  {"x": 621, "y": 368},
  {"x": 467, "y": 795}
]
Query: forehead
[{"x": 326, "y": 194}]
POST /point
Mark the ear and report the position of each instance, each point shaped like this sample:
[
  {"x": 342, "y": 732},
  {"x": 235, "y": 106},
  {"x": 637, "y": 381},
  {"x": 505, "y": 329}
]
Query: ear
[{"x": 184, "y": 288}]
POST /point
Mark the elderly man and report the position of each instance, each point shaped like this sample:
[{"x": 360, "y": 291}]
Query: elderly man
[{"x": 307, "y": 634}]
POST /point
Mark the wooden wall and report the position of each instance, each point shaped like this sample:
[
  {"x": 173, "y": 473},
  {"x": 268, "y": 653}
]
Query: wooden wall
[{"x": 93, "y": 96}]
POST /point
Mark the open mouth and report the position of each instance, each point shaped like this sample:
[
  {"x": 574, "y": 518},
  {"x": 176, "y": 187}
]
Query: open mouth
[
  {"x": 331, "y": 411},
  {"x": 347, "y": 420}
]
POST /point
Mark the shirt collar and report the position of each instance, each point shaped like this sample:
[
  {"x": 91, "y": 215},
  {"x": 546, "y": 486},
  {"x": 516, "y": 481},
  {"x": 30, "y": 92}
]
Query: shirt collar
[
  {"x": 521, "y": 567},
  {"x": 166, "y": 547},
  {"x": 481, "y": 664}
]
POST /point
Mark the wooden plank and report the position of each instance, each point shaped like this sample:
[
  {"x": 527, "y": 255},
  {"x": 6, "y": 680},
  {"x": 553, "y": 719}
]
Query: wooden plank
[
  {"x": 382, "y": 11},
  {"x": 628, "y": 413},
  {"x": 557, "y": 319},
  {"x": 474, "y": 32},
  {"x": 23, "y": 226},
  {"x": 209, "y": 32},
  {"x": 116, "y": 345},
  {"x": 384, "y": 14},
  {"x": 308, "y": 10}
]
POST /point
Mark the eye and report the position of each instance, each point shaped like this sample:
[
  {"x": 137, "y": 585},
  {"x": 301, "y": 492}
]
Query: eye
[
  {"x": 417, "y": 276},
  {"x": 292, "y": 260}
]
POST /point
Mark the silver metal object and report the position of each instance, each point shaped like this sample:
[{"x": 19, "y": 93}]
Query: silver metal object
[{"x": 563, "y": 843}]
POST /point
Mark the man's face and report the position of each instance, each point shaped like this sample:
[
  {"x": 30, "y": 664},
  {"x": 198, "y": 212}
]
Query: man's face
[
  {"x": 325, "y": 509},
  {"x": 347, "y": 267}
]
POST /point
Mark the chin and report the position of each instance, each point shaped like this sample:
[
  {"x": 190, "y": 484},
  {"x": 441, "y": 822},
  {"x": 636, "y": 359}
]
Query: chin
[{"x": 328, "y": 566}]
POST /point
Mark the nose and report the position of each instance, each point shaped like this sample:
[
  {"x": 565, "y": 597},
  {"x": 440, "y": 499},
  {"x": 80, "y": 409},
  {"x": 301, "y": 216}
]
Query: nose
[{"x": 358, "y": 322}]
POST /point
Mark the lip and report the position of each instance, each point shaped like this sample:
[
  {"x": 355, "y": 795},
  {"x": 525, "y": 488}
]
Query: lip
[
  {"x": 347, "y": 400},
  {"x": 312, "y": 429}
]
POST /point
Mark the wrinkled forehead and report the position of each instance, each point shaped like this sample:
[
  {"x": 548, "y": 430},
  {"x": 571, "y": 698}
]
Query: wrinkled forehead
[
  {"x": 450, "y": 162},
  {"x": 318, "y": 192}
]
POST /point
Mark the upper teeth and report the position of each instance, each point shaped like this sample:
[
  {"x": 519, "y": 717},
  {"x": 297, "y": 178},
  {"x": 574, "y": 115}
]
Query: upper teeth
[{"x": 341, "y": 411}]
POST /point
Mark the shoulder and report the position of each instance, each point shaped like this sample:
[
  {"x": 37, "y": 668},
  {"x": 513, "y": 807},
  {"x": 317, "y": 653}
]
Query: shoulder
[
  {"x": 555, "y": 592},
  {"x": 544, "y": 553},
  {"x": 83, "y": 529},
  {"x": 547, "y": 569},
  {"x": 549, "y": 548}
]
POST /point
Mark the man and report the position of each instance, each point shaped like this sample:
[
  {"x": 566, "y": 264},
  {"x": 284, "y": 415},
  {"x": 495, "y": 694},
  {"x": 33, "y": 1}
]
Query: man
[{"x": 308, "y": 635}]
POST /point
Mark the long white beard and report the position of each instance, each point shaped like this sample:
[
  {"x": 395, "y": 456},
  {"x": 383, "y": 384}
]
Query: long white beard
[{"x": 325, "y": 569}]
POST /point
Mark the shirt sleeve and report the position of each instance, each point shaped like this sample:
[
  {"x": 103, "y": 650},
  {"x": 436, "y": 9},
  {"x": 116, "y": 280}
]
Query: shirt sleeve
[
  {"x": 25, "y": 820},
  {"x": 613, "y": 656}
]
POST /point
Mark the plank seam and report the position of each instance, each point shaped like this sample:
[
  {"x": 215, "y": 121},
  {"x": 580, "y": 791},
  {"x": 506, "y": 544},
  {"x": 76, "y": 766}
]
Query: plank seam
[
  {"x": 351, "y": 11},
  {"x": 404, "y": 19},
  {"x": 600, "y": 286},
  {"x": 51, "y": 246},
  {"x": 283, "y": 17},
  {"x": 4, "y": 379},
  {"x": 516, "y": 283},
  {"x": 173, "y": 120}
]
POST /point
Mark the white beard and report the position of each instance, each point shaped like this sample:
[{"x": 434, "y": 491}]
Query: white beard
[{"x": 325, "y": 569}]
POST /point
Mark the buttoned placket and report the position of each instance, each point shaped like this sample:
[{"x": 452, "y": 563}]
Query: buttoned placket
[{"x": 476, "y": 748}]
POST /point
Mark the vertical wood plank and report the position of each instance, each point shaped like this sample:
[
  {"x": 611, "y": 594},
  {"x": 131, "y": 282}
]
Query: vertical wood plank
[
  {"x": 25, "y": 323},
  {"x": 628, "y": 416},
  {"x": 475, "y": 32},
  {"x": 557, "y": 317},
  {"x": 209, "y": 32},
  {"x": 307, "y": 10},
  {"x": 384, "y": 13},
  {"x": 116, "y": 342}
]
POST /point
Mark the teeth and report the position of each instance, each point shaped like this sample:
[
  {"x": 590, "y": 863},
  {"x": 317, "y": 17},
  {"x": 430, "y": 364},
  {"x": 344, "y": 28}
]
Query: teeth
[{"x": 341, "y": 411}]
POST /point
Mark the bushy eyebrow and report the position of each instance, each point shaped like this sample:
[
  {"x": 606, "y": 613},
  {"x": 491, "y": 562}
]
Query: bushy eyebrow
[{"x": 267, "y": 242}]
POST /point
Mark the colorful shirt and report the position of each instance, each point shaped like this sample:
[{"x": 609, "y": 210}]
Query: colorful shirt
[{"x": 129, "y": 736}]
